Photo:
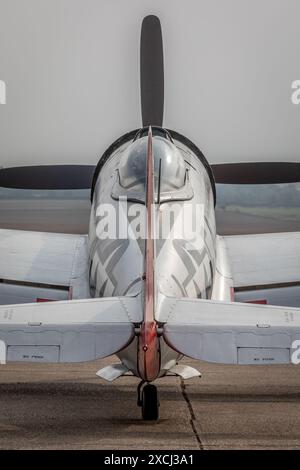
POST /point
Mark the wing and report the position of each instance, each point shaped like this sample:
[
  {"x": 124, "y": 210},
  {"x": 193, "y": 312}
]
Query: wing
[
  {"x": 231, "y": 332},
  {"x": 266, "y": 267},
  {"x": 36, "y": 266},
  {"x": 67, "y": 331}
]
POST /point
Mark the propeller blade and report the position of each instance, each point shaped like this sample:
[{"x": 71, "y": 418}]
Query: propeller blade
[
  {"x": 152, "y": 72},
  {"x": 47, "y": 177},
  {"x": 257, "y": 173}
]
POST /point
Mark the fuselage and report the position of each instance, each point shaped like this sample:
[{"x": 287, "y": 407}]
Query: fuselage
[{"x": 184, "y": 226}]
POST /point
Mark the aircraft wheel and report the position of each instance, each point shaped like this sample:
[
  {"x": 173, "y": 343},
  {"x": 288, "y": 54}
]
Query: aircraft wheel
[{"x": 150, "y": 403}]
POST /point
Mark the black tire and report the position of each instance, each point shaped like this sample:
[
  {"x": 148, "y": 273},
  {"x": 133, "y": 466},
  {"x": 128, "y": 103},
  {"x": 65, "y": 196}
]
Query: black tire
[{"x": 150, "y": 403}]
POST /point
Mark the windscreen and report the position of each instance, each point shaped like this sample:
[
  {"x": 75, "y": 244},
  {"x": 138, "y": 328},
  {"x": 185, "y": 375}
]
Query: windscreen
[{"x": 132, "y": 169}]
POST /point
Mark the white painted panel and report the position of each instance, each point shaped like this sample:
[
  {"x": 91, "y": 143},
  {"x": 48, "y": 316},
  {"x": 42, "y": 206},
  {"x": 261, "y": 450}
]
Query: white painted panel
[
  {"x": 46, "y": 258},
  {"x": 264, "y": 259}
]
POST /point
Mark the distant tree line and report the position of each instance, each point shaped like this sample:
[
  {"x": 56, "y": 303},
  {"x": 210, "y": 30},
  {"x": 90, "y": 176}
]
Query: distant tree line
[
  {"x": 14, "y": 194},
  {"x": 259, "y": 195}
]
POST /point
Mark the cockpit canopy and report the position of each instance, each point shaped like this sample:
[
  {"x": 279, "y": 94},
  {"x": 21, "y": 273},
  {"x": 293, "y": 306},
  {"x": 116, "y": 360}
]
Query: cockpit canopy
[{"x": 132, "y": 169}]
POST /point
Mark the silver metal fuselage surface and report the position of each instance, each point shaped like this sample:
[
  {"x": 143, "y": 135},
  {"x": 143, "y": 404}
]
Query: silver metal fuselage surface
[{"x": 183, "y": 267}]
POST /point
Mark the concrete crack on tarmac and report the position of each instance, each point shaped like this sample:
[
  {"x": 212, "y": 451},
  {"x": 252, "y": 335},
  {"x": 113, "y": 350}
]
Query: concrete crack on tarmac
[{"x": 192, "y": 414}]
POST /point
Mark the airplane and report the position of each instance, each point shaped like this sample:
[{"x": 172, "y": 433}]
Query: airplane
[{"x": 151, "y": 300}]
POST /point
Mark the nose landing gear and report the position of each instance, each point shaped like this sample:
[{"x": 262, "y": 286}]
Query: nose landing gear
[{"x": 148, "y": 401}]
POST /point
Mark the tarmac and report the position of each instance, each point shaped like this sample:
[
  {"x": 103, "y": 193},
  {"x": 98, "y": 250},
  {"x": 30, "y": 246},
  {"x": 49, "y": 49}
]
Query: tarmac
[{"x": 49, "y": 406}]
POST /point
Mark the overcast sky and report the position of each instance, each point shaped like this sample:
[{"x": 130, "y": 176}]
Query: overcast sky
[{"x": 71, "y": 69}]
